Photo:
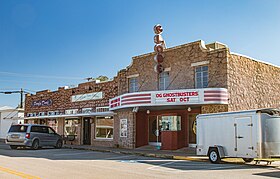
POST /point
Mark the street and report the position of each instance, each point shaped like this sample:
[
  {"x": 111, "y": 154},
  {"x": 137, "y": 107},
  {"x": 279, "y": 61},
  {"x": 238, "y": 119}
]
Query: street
[{"x": 71, "y": 163}]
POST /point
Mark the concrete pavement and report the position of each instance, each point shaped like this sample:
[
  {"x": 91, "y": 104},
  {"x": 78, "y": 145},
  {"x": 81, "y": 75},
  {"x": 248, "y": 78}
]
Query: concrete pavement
[{"x": 151, "y": 151}]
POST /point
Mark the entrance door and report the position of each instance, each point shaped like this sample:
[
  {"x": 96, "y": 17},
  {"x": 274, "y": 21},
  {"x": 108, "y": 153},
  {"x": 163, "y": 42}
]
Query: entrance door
[
  {"x": 243, "y": 137},
  {"x": 154, "y": 129},
  {"x": 87, "y": 131},
  {"x": 192, "y": 128}
]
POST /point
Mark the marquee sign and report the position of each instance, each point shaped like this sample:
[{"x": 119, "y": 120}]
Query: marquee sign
[{"x": 171, "y": 97}]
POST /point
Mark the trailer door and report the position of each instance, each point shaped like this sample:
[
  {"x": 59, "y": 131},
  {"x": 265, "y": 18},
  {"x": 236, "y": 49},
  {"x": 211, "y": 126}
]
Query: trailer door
[{"x": 243, "y": 137}]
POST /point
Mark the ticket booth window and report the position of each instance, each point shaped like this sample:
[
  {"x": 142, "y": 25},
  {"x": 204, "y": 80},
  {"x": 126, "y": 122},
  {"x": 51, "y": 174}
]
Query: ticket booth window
[{"x": 171, "y": 123}]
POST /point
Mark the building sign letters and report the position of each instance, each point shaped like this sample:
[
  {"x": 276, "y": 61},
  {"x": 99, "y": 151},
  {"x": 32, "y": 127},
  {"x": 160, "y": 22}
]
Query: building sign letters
[
  {"x": 177, "y": 97},
  {"x": 88, "y": 96},
  {"x": 39, "y": 103}
]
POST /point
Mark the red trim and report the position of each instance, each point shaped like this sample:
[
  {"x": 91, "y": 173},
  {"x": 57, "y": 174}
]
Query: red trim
[
  {"x": 136, "y": 95},
  {"x": 136, "y": 99},
  {"x": 215, "y": 92},
  {"x": 215, "y": 99},
  {"x": 139, "y": 102},
  {"x": 215, "y": 95}
]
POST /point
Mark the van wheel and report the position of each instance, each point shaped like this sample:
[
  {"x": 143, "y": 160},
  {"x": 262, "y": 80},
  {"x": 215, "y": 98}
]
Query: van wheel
[
  {"x": 58, "y": 144},
  {"x": 35, "y": 144},
  {"x": 13, "y": 146},
  {"x": 248, "y": 160},
  {"x": 214, "y": 156}
]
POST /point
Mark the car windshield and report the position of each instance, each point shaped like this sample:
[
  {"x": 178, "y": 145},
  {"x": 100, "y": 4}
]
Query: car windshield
[{"x": 18, "y": 128}]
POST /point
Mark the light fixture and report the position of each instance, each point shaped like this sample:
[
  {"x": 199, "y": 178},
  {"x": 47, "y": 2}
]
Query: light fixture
[
  {"x": 148, "y": 111},
  {"x": 135, "y": 109},
  {"x": 189, "y": 109}
]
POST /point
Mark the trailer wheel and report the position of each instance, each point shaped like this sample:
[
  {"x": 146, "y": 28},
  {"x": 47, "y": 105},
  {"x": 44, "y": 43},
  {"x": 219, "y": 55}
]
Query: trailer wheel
[
  {"x": 214, "y": 156},
  {"x": 248, "y": 160}
]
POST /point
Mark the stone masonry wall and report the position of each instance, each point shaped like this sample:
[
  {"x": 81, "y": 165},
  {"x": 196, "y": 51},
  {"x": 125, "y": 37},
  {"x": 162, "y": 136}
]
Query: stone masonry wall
[
  {"x": 206, "y": 109},
  {"x": 182, "y": 74},
  {"x": 129, "y": 141},
  {"x": 252, "y": 84}
]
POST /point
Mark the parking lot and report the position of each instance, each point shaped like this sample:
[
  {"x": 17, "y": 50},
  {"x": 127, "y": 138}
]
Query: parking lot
[{"x": 71, "y": 163}]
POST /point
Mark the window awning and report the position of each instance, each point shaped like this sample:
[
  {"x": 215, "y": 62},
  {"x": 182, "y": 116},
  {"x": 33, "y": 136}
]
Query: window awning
[{"x": 108, "y": 113}]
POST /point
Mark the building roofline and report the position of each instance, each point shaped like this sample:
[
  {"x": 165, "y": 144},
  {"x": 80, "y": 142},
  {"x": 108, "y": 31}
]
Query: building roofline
[{"x": 251, "y": 58}]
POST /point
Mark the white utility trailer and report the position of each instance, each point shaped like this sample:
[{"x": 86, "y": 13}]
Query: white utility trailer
[{"x": 252, "y": 134}]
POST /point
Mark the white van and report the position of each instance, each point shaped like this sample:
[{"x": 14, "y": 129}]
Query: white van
[{"x": 245, "y": 134}]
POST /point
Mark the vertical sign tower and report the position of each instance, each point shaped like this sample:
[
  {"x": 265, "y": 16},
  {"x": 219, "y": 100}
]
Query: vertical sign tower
[{"x": 159, "y": 47}]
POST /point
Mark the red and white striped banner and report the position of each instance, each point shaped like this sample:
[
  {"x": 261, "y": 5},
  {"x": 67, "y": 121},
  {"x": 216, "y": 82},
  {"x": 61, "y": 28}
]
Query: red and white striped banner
[{"x": 171, "y": 97}]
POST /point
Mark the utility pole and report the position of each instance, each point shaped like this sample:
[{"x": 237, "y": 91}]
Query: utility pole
[
  {"x": 21, "y": 98},
  {"x": 21, "y": 95}
]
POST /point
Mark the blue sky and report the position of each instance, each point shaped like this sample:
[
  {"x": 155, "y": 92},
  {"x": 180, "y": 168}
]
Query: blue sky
[{"x": 50, "y": 43}]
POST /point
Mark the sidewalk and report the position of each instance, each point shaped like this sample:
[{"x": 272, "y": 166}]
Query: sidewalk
[{"x": 147, "y": 151}]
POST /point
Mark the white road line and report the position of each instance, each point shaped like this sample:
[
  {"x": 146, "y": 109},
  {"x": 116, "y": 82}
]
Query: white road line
[
  {"x": 224, "y": 167},
  {"x": 158, "y": 166},
  {"x": 74, "y": 153},
  {"x": 118, "y": 157}
]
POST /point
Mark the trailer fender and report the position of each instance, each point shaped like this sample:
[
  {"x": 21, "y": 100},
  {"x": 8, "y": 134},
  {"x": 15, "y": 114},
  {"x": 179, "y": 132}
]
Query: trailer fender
[{"x": 220, "y": 150}]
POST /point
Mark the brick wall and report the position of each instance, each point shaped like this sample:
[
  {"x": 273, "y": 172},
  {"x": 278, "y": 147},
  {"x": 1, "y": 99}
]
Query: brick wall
[{"x": 62, "y": 97}]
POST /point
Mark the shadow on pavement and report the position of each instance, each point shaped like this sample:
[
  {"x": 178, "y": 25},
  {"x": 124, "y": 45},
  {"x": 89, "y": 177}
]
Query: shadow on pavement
[{"x": 275, "y": 174}]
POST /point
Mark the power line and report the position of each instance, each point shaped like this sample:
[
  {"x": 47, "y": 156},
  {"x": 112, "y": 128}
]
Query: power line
[{"x": 39, "y": 76}]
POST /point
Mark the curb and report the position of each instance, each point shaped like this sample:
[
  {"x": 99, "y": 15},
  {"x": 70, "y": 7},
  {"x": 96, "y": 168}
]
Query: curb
[{"x": 165, "y": 156}]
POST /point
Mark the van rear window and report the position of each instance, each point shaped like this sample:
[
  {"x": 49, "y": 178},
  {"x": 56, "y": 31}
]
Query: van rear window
[{"x": 18, "y": 128}]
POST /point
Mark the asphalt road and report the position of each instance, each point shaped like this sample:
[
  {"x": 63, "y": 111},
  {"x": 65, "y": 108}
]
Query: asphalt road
[{"x": 71, "y": 163}]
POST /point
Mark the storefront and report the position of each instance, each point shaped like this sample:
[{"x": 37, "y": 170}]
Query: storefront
[
  {"x": 80, "y": 114},
  {"x": 148, "y": 105},
  {"x": 167, "y": 118}
]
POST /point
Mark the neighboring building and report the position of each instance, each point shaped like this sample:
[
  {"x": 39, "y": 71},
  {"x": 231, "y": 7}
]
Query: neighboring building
[
  {"x": 82, "y": 111},
  {"x": 8, "y": 117},
  {"x": 147, "y": 108}
]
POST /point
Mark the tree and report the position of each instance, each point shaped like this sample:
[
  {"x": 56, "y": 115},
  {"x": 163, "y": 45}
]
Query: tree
[{"x": 102, "y": 78}]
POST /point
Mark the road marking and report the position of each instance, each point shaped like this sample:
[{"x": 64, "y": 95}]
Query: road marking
[
  {"x": 20, "y": 174},
  {"x": 158, "y": 166},
  {"x": 118, "y": 157},
  {"x": 75, "y": 153}
]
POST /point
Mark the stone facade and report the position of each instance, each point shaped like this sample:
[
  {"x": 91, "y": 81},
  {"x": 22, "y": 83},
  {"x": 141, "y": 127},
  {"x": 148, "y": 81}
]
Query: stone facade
[
  {"x": 129, "y": 141},
  {"x": 252, "y": 84},
  {"x": 178, "y": 60}
]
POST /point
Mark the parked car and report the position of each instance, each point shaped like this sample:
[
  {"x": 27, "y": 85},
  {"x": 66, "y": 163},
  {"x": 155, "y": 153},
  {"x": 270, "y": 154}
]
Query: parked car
[{"x": 32, "y": 135}]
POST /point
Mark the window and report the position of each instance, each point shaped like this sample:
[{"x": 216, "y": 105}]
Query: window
[
  {"x": 51, "y": 131},
  {"x": 53, "y": 124},
  {"x": 133, "y": 84},
  {"x": 171, "y": 123},
  {"x": 104, "y": 127},
  {"x": 39, "y": 129},
  {"x": 18, "y": 128},
  {"x": 201, "y": 77},
  {"x": 71, "y": 126},
  {"x": 163, "y": 80}
]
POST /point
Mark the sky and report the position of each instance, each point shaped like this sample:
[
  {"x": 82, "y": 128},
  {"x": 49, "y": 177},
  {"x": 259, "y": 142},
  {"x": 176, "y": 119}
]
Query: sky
[{"x": 51, "y": 43}]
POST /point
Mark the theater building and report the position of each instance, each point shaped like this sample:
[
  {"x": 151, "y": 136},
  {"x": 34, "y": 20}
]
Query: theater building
[
  {"x": 81, "y": 114},
  {"x": 160, "y": 108},
  {"x": 143, "y": 107}
]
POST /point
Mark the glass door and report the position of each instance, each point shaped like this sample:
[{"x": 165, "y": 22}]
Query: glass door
[
  {"x": 155, "y": 130},
  {"x": 192, "y": 128}
]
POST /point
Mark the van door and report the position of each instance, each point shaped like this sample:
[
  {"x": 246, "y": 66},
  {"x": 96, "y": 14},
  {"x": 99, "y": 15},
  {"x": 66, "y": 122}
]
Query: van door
[{"x": 243, "y": 137}]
